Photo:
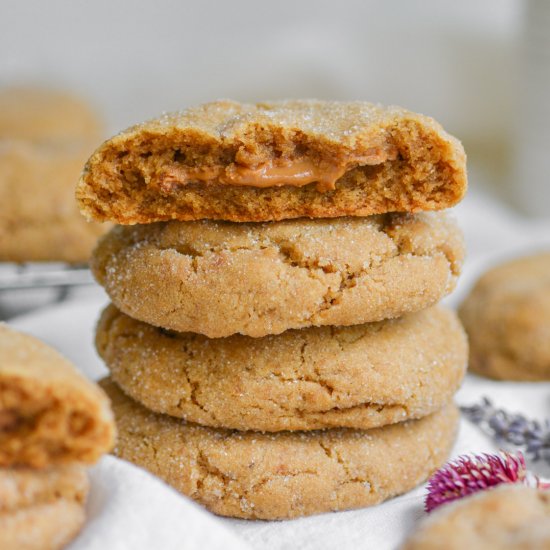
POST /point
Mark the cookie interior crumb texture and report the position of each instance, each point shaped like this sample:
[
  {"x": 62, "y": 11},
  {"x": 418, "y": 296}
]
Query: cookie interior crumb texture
[
  {"x": 256, "y": 475},
  {"x": 49, "y": 413},
  {"x": 220, "y": 278},
  {"x": 364, "y": 376},
  {"x": 273, "y": 161},
  {"x": 507, "y": 318}
]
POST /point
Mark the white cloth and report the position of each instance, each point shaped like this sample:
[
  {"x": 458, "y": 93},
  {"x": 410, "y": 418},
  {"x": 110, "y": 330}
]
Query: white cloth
[{"x": 130, "y": 509}]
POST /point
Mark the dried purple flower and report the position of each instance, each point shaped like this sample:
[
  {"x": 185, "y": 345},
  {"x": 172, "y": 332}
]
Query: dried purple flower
[
  {"x": 515, "y": 429},
  {"x": 469, "y": 474}
]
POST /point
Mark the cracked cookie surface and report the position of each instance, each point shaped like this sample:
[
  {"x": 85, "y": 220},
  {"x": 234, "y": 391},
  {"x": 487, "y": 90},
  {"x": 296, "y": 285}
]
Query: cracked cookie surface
[
  {"x": 507, "y": 318},
  {"x": 49, "y": 413},
  {"x": 273, "y": 161},
  {"x": 41, "y": 509},
  {"x": 510, "y": 516},
  {"x": 363, "y": 376},
  {"x": 222, "y": 278},
  {"x": 288, "y": 474}
]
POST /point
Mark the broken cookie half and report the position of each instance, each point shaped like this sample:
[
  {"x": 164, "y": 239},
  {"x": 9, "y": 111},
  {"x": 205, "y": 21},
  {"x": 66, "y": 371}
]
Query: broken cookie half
[
  {"x": 274, "y": 161},
  {"x": 42, "y": 509},
  {"x": 53, "y": 422},
  {"x": 49, "y": 413}
]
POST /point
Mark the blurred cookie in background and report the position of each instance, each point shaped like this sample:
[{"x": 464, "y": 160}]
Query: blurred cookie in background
[
  {"x": 45, "y": 139},
  {"x": 507, "y": 318},
  {"x": 38, "y": 217},
  {"x": 42, "y": 115},
  {"x": 509, "y": 516}
]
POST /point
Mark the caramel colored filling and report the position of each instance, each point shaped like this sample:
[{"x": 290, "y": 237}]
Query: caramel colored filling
[
  {"x": 296, "y": 173},
  {"x": 8, "y": 420}
]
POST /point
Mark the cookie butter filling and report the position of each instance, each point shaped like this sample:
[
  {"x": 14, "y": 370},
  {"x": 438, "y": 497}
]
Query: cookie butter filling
[
  {"x": 275, "y": 173},
  {"x": 8, "y": 420}
]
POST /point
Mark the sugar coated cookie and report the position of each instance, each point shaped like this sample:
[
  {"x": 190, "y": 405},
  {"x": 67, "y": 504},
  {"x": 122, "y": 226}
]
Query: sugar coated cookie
[
  {"x": 363, "y": 376},
  {"x": 287, "y": 474},
  {"x": 221, "y": 278},
  {"x": 273, "y": 161}
]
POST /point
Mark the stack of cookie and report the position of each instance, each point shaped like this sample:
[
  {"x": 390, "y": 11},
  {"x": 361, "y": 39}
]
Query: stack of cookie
[
  {"x": 53, "y": 423},
  {"x": 45, "y": 136},
  {"x": 274, "y": 344}
]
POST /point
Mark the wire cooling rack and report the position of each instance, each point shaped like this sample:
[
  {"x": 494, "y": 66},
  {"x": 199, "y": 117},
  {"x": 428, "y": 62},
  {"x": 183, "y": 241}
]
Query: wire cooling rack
[
  {"x": 27, "y": 287},
  {"x": 43, "y": 275}
]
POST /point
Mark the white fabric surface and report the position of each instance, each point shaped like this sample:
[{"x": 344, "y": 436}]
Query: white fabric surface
[{"x": 130, "y": 509}]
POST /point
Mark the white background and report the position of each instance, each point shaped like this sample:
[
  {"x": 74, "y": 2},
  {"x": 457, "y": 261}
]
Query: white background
[{"x": 456, "y": 61}]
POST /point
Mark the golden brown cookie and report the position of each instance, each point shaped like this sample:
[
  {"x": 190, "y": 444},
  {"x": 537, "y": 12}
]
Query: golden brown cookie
[
  {"x": 39, "y": 220},
  {"x": 49, "y": 413},
  {"x": 221, "y": 278},
  {"x": 364, "y": 376},
  {"x": 506, "y": 517},
  {"x": 41, "y": 509},
  {"x": 24, "y": 487},
  {"x": 507, "y": 318},
  {"x": 288, "y": 474},
  {"x": 274, "y": 161},
  {"x": 40, "y": 115}
]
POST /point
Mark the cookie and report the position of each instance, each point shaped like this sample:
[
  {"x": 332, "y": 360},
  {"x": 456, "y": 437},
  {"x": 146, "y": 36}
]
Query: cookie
[
  {"x": 39, "y": 220},
  {"x": 49, "y": 413},
  {"x": 40, "y": 115},
  {"x": 288, "y": 474},
  {"x": 274, "y": 161},
  {"x": 506, "y": 517},
  {"x": 222, "y": 278},
  {"x": 41, "y": 509},
  {"x": 364, "y": 376},
  {"x": 507, "y": 318},
  {"x": 22, "y": 488},
  {"x": 42, "y": 527}
]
